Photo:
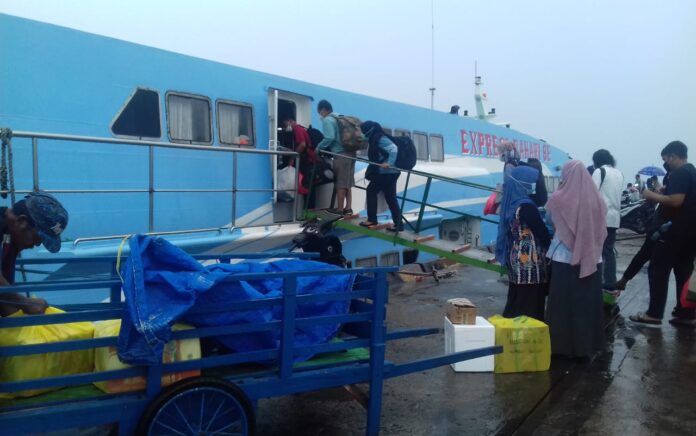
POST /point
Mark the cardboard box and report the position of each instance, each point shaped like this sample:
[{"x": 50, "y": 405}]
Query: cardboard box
[
  {"x": 463, "y": 337},
  {"x": 461, "y": 311}
]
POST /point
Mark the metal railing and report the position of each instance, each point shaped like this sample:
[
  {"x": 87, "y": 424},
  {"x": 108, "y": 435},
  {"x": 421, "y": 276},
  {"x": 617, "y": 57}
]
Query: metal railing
[
  {"x": 151, "y": 190},
  {"x": 423, "y": 202}
]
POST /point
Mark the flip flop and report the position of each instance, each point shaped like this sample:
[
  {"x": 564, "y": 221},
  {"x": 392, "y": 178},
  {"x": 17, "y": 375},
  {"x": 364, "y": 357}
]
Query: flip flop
[
  {"x": 367, "y": 223},
  {"x": 640, "y": 318}
]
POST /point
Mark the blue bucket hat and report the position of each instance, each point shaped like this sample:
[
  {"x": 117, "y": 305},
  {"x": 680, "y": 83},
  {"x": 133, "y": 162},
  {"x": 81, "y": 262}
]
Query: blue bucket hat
[{"x": 49, "y": 216}]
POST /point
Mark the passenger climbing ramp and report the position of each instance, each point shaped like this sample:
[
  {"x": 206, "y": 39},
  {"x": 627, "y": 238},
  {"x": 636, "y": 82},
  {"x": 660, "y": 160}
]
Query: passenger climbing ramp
[{"x": 469, "y": 252}]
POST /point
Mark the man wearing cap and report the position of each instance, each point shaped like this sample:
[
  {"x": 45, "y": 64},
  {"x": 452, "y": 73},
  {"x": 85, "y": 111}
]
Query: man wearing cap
[{"x": 37, "y": 219}]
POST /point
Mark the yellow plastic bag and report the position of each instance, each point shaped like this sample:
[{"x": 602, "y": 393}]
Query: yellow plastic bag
[
  {"x": 18, "y": 368},
  {"x": 526, "y": 344},
  {"x": 106, "y": 359}
]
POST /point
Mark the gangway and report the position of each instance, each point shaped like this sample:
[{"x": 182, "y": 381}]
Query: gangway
[{"x": 461, "y": 253}]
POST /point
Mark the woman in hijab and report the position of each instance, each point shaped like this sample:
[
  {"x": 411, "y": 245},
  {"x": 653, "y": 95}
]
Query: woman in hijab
[
  {"x": 381, "y": 174},
  {"x": 574, "y": 312},
  {"x": 521, "y": 246}
]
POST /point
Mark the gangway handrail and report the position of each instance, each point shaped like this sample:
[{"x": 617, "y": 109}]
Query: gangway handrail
[
  {"x": 424, "y": 201},
  {"x": 118, "y": 141},
  {"x": 418, "y": 173},
  {"x": 151, "y": 190}
]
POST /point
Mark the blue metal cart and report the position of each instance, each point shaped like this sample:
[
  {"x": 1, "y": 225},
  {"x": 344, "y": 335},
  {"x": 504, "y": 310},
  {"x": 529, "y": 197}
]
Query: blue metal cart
[{"x": 217, "y": 402}]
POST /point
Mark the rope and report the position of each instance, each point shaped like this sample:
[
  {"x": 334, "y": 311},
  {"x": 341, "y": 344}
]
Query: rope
[
  {"x": 6, "y": 167},
  {"x": 5, "y": 137}
]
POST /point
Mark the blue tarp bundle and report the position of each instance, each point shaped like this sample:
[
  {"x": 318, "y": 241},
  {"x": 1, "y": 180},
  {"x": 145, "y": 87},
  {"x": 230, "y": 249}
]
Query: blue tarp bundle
[{"x": 161, "y": 283}]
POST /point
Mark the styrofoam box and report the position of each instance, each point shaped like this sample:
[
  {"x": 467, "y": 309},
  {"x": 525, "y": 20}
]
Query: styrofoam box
[{"x": 463, "y": 337}]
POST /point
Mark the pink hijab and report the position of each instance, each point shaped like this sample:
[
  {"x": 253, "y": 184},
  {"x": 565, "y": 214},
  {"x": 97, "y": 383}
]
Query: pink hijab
[{"x": 579, "y": 215}]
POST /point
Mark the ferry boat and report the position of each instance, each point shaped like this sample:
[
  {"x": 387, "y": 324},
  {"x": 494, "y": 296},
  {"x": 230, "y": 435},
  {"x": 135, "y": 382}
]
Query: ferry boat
[{"x": 134, "y": 139}]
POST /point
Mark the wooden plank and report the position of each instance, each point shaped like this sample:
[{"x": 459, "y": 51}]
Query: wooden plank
[
  {"x": 422, "y": 239},
  {"x": 461, "y": 249}
]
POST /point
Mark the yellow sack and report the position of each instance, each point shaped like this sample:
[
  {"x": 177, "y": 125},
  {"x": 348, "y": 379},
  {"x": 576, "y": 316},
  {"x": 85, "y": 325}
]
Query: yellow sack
[
  {"x": 526, "y": 344},
  {"x": 106, "y": 358},
  {"x": 18, "y": 368}
]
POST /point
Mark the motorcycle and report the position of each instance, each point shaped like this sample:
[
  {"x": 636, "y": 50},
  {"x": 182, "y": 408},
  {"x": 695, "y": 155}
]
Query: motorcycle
[{"x": 315, "y": 238}]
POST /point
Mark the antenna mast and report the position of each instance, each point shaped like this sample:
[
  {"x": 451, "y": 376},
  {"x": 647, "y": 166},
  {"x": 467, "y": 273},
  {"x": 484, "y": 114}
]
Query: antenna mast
[{"x": 432, "y": 54}]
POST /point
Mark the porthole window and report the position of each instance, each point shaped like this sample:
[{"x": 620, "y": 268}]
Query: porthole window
[
  {"x": 235, "y": 123},
  {"x": 140, "y": 117},
  {"x": 420, "y": 140},
  {"x": 188, "y": 118},
  {"x": 437, "y": 148}
]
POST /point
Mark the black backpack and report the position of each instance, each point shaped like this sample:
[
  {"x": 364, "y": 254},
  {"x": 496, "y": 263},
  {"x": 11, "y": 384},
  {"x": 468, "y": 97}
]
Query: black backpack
[
  {"x": 315, "y": 136},
  {"x": 407, "y": 154}
]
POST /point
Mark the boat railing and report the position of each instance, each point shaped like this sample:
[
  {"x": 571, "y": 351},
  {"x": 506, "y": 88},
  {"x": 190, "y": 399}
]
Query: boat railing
[
  {"x": 151, "y": 189},
  {"x": 422, "y": 203}
]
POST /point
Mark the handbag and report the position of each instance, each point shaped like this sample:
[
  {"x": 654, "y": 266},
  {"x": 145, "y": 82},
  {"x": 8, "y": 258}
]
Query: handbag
[{"x": 491, "y": 207}]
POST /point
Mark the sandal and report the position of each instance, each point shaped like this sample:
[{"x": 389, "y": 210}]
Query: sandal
[
  {"x": 367, "y": 223},
  {"x": 642, "y": 318},
  {"x": 347, "y": 211},
  {"x": 683, "y": 322}
]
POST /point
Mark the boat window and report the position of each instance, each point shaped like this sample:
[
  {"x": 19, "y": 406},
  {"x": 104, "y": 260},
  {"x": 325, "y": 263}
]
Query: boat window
[
  {"x": 235, "y": 123},
  {"x": 140, "y": 117},
  {"x": 437, "y": 148},
  {"x": 402, "y": 132},
  {"x": 388, "y": 131},
  {"x": 420, "y": 140},
  {"x": 389, "y": 259},
  {"x": 366, "y": 262},
  {"x": 189, "y": 118}
]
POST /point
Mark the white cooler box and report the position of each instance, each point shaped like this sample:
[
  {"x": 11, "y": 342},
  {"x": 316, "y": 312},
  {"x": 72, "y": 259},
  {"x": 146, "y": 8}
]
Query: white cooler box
[{"x": 463, "y": 337}]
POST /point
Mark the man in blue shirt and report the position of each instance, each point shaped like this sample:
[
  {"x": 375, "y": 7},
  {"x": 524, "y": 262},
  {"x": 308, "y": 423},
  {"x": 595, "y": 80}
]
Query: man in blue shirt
[{"x": 343, "y": 168}]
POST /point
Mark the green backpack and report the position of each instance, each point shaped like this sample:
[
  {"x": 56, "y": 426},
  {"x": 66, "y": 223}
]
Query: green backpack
[{"x": 352, "y": 137}]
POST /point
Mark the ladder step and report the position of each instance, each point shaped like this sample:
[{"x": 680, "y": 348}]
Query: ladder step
[
  {"x": 421, "y": 239},
  {"x": 461, "y": 249},
  {"x": 379, "y": 226}
]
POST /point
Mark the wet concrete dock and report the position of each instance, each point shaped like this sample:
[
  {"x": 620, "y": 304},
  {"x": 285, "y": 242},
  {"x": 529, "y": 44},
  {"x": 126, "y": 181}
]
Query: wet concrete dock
[{"x": 643, "y": 384}]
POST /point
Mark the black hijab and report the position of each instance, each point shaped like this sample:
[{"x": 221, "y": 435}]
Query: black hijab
[{"x": 373, "y": 131}]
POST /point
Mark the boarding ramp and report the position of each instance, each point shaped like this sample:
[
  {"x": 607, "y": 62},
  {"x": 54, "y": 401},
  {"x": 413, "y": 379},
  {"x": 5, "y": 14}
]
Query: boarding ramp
[{"x": 468, "y": 253}]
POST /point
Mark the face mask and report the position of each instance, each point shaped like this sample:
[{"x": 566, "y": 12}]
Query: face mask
[
  {"x": 529, "y": 187},
  {"x": 666, "y": 167},
  {"x": 288, "y": 129}
]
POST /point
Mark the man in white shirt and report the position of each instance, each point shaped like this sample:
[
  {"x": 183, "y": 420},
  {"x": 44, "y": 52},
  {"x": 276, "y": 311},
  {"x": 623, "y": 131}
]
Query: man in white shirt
[{"x": 610, "y": 183}]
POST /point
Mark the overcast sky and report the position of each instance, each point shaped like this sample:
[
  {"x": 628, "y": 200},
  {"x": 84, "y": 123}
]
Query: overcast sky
[{"x": 583, "y": 75}]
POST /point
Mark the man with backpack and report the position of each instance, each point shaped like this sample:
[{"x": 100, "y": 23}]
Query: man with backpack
[
  {"x": 674, "y": 242},
  {"x": 343, "y": 167}
]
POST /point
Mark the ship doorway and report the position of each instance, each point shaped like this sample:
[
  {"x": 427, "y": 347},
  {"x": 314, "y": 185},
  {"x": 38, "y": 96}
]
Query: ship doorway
[{"x": 283, "y": 105}]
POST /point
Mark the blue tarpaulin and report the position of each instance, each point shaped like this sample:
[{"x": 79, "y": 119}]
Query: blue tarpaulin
[{"x": 161, "y": 283}]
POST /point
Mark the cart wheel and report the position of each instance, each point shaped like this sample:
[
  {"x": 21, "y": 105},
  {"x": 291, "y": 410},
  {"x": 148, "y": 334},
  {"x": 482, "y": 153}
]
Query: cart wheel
[{"x": 199, "y": 406}]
